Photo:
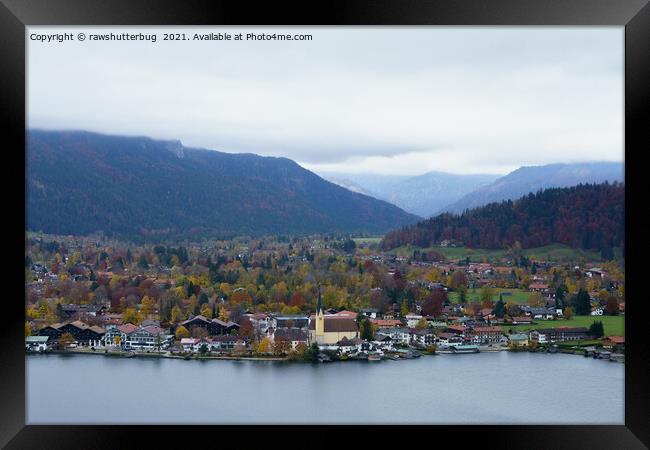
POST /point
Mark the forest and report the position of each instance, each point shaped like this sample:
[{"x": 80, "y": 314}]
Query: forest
[{"x": 589, "y": 216}]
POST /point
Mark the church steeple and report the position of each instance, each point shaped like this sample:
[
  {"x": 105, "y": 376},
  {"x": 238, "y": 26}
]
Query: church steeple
[
  {"x": 320, "y": 317},
  {"x": 319, "y": 304}
]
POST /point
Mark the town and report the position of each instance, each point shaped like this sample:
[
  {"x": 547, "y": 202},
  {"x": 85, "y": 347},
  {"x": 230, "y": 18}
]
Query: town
[{"x": 316, "y": 298}]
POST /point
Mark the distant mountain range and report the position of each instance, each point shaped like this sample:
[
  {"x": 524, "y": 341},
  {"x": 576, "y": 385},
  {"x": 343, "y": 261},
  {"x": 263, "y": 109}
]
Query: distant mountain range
[
  {"x": 436, "y": 192},
  {"x": 423, "y": 195},
  {"x": 80, "y": 182},
  {"x": 531, "y": 179}
]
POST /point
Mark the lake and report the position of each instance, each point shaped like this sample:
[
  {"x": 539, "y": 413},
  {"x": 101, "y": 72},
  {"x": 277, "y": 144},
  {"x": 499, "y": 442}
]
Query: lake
[{"x": 484, "y": 388}]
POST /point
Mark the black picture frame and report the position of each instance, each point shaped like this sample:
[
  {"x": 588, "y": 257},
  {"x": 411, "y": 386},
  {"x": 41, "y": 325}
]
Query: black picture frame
[{"x": 634, "y": 15}]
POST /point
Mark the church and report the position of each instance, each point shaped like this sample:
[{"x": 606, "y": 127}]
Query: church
[{"x": 328, "y": 329}]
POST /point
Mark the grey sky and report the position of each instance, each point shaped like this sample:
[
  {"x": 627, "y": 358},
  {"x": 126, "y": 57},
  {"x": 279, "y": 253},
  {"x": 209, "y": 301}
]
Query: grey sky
[{"x": 363, "y": 99}]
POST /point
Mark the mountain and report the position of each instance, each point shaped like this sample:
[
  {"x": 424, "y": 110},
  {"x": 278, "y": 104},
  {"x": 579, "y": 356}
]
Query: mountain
[
  {"x": 589, "y": 216},
  {"x": 423, "y": 195},
  {"x": 80, "y": 182},
  {"x": 531, "y": 179}
]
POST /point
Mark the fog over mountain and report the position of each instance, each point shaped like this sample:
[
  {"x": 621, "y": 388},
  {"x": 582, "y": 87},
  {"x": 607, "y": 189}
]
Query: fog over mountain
[
  {"x": 424, "y": 195},
  {"x": 531, "y": 179}
]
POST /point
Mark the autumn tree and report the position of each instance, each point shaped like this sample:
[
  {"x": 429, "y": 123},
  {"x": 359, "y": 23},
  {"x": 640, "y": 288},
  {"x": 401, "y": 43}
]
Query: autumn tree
[
  {"x": 147, "y": 305},
  {"x": 422, "y": 324},
  {"x": 182, "y": 332},
  {"x": 432, "y": 305},
  {"x": 568, "y": 313},
  {"x": 28, "y": 329},
  {"x": 612, "y": 306},
  {"x": 65, "y": 340},
  {"x": 535, "y": 299}
]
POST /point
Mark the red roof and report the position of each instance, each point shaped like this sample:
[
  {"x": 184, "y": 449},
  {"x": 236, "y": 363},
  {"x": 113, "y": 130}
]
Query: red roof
[
  {"x": 127, "y": 328},
  {"x": 386, "y": 322}
]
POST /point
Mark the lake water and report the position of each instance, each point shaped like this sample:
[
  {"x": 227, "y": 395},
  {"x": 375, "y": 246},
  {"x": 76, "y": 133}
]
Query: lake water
[{"x": 485, "y": 388}]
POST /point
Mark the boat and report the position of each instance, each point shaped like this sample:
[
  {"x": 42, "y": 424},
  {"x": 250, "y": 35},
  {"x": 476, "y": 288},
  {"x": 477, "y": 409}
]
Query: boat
[
  {"x": 374, "y": 357},
  {"x": 465, "y": 349}
]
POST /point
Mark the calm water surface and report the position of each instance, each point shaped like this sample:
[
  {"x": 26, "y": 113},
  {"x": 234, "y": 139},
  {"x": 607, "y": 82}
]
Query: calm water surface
[{"x": 485, "y": 388}]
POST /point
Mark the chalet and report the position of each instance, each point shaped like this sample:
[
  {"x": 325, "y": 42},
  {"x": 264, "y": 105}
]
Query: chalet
[
  {"x": 559, "y": 334},
  {"x": 82, "y": 333},
  {"x": 214, "y": 327},
  {"x": 538, "y": 313}
]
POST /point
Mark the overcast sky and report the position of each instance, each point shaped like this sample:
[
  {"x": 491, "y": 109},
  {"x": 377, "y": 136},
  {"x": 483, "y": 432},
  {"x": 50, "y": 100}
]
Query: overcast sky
[{"x": 388, "y": 100}]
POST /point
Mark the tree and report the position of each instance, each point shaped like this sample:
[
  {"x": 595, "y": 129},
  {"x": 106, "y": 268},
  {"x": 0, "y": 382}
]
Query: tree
[
  {"x": 568, "y": 313},
  {"x": 612, "y": 306},
  {"x": 422, "y": 324},
  {"x": 596, "y": 329},
  {"x": 535, "y": 299},
  {"x": 206, "y": 311},
  {"x": 28, "y": 329},
  {"x": 581, "y": 303},
  {"x": 264, "y": 346},
  {"x": 131, "y": 315},
  {"x": 176, "y": 314},
  {"x": 147, "y": 305},
  {"x": 365, "y": 330},
  {"x": 182, "y": 332},
  {"x": 245, "y": 328},
  {"x": 65, "y": 340},
  {"x": 432, "y": 305},
  {"x": 486, "y": 293},
  {"x": 499, "y": 308},
  {"x": 203, "y": 349}
]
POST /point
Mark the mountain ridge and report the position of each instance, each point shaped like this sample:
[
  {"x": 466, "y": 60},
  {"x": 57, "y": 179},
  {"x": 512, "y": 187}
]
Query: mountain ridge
[{"x": 79, "y": 182}]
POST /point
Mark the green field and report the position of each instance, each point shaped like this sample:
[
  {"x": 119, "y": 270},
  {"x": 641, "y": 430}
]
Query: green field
[
  {"x": 368, "y": 240},
  {"x": 553, "y": 252},
  {"x": 613, "y": 325},
  {"x": 516, "y": 295}
]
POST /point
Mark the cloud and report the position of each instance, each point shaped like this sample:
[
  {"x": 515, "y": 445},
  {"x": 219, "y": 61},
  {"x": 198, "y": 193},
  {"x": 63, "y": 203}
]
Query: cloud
[{"x": 378, "y": 99}]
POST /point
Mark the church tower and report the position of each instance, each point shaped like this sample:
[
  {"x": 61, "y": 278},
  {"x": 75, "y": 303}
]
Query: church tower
[{"x": 320, "y": 319}]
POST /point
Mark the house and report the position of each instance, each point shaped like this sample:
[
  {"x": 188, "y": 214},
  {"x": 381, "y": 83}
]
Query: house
[
  {"x": 292, "y": 336},
  {"x": 36, "y": 343},
  {"x": 539, "y": 287},
  {"x": 559, "y": 334},
  {"x": 150, "y": 337},
  {"x": 398, "y": 335},
  {"x": 518, "y": 339},
  {"x": 423, "y": 337},
  {"x": 538, "y": 312},
  {"x": 346, "y": 345},
  {"x": 83, "y": 334},
  {"x": 370, "y": 312},
  {"x": 485, "y": 335},
  {"x": 346, "y": 313},
  {"x": 386, "y": 323},
  {"x": 78, "y": 311},
  {"x": 522, "y": 320},
  {"x": 412, "y": 320},
  {"x": 449, "y": 339},
  {"x": 113, "y": 332},
  {"x": 613, "y": 341},
  {"x": 597, "y": 311},
  {"x": 292, "y": 321},
  {"x": 213, "y": 327}
]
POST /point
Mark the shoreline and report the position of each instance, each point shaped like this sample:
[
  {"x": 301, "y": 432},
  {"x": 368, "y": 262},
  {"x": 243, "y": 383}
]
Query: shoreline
[{"x": 197, "y": 357}]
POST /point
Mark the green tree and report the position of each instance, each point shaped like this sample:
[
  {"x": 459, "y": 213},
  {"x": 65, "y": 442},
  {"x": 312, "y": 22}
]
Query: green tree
[
  {"x": 596, "y": 329},
  {"x": 499, "y": 308},
  {"x": 581, "y": 303}
]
